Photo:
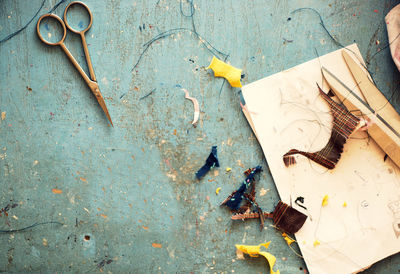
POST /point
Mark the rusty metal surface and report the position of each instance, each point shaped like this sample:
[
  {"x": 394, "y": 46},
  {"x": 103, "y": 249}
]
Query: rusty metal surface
[{"x": 130, "y": 201}]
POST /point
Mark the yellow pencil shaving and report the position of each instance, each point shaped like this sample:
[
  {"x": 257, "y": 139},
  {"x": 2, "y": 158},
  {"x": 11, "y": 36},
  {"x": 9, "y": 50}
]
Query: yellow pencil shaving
[
  {"x": 325, "y": 200},
  {"x": 254, "y": 251},
  {"x": 230, "y": 73}
]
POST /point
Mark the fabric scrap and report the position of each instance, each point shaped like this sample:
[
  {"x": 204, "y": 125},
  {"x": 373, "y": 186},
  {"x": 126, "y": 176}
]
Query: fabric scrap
[
  {"x": 288, "y": 219},
  {"x": 254, "y": 251},
  {"x": 211, "y": 162},
  {"x": 393, "y": 29},
  {"x": 285, "y": 218},
  {"x": 234, "y": 200},
  {"x": 230, "y": 73},
  {"x": 196, "y": 114},
  {"x": 344, "y": 123}
]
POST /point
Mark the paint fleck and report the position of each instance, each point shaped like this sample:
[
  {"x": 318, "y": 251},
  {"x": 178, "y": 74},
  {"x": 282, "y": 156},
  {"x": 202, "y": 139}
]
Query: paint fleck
[
  {"x": 344, "y": 204},
  {"x": 145, "y": 227},
  {"x": 325, "y": 200},
  {"x": 56, "y": 191},
  {"x": 263, "y": 191},
  {"x": 174, "y": 132},
  {"x": 216, "y": 172},
  {"x": 217, "y": 190},
  {"x": 376, "y": 11},
  {"x": 228, "y": 169},
  {"x": 44, "y": 241},
  {"x": 156, "y": 245},
  {"x": 104, "y": 216},
  {"x": 49, "y": 34},
  {"x": 83, "y": 179},
  {"x": 316, "y": 243},
  {"x": 3, "y": 115},
  {"x": 35, "y": 162}
]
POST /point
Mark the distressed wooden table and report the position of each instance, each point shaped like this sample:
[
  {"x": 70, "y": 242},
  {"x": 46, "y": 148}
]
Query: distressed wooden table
[{"x": 127, "y": 195}]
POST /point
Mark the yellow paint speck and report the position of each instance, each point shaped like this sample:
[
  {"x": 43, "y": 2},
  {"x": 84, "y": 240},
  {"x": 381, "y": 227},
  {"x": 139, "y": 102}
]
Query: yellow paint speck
[
  {"x": 3, "y": 115},
  {"x": 44, "y": 241},
  {"x": 344, "y": 204},
  {"x": 325, "y": 200},
  {"x": 217, "y": 190},
  {"x": 316, "y": 242},
  {"x": 228, "y": 169}
]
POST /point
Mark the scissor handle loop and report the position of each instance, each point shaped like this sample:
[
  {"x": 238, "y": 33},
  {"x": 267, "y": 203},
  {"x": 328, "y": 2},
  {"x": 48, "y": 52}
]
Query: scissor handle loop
[
  {"x": 59, "y": 20},
  {"x": 66, "y": 20}
]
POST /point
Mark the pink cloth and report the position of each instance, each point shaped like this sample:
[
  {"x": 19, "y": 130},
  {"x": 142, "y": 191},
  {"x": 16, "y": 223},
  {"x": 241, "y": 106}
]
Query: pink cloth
[{"x": 393, "y": 29}]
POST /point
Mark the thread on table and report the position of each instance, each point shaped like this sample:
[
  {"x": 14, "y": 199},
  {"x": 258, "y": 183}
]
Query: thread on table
[
  {"x": 11, "y": 35},
  {"x": 344, "y": 123},
  {"x": 193, "y": 30},
  {"x": 28, "y": 227},
  {"x": 336, "y": 41}
]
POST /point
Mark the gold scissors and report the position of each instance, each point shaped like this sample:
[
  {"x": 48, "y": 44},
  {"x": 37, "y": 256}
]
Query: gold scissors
[{"x": 91, "y": 82}]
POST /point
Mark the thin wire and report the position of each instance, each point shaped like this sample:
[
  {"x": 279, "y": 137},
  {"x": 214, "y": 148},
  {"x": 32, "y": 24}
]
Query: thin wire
[
  {"x": 8, "y": 37},
  {"x": 169, "y": 32},
  {"x": 28, "y": 227}
]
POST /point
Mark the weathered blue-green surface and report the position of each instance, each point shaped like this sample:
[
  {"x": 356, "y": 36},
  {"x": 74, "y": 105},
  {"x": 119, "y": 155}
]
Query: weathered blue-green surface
[{"x": 133, "y": 185}]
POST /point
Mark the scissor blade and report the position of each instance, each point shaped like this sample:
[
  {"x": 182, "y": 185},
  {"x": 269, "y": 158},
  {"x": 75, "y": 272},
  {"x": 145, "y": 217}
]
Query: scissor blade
[
  {"x": 102, "y": 104},
  {"x": 381, "y": 131},
  {"x": 373, "y": 96}
]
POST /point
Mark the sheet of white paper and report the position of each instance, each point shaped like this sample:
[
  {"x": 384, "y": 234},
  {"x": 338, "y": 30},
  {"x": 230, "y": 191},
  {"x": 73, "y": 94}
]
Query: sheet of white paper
[{"x": 286, "y": 112}]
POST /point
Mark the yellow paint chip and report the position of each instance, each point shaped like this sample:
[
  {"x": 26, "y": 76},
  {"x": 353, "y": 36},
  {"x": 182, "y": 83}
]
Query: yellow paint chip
[
  {"x": 228, "y": 169},
  {"x": 344, "y": 204},
  {"x": 254, "y": 251},
  {"x": 325, "y": 200},
  {"x": 288, "y": 240},
  {"x": 230, "y": 73},
  {"x": 3, "y": 115},
  {"x": 316, "y": 242},
  {"x": 217, "y": 190}
]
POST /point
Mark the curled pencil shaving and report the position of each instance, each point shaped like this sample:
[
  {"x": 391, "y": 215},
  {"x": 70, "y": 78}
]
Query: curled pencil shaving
[
  {"x": 196, "y": 114},
  {"x": 344, "y": 123},
  {"x": 244, "y": 107}
]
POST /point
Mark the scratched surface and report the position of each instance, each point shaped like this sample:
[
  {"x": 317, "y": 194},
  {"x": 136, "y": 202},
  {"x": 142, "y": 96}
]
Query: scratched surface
[{"x": 127, "y": 195}]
